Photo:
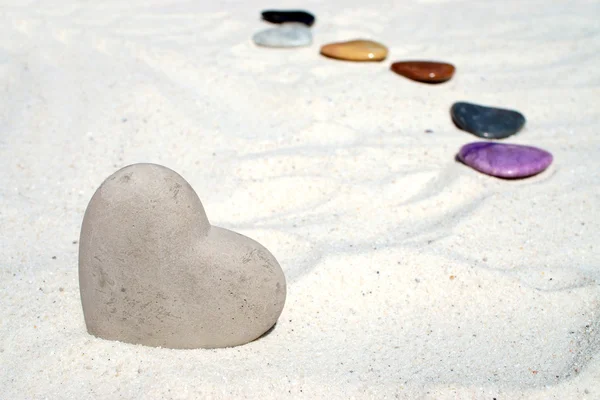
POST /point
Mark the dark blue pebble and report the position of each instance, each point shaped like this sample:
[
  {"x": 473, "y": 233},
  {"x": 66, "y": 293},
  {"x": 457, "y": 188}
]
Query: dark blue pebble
[
  {"x": 486, "y": 122},
  {"x": 280, "y": 16}
]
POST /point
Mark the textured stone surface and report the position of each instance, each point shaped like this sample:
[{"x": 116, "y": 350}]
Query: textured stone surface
[
  {"x": 153, "y": 271},
  {"x": 355, "y": 50},
  {"x": 286, "y": 35},
  {"x": 282, "y": 16},
  {"x": 424, "y": 71},
  {"x": 486, "y": 122},
  {"x": 505, "y": 160}
]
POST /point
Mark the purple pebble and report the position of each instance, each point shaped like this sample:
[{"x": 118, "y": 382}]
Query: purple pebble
[{"x": 505, "y": 160}]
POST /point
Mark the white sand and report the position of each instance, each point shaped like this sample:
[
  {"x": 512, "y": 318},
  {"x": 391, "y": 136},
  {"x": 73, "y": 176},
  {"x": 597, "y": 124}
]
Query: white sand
[{"x": 327, "y": 164}]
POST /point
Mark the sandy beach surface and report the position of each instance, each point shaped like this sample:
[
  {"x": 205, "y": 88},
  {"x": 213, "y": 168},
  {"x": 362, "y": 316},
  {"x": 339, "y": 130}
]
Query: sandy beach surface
[{"x": 410, "y": 275}]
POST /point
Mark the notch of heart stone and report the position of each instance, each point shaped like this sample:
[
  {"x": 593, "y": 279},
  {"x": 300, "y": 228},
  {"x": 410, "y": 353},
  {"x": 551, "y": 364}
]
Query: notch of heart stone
[{"x": 153, "y": 271}]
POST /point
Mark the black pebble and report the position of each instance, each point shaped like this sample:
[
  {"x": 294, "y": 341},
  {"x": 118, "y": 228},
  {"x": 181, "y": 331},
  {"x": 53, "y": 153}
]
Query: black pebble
[
  {"x": 486, "y": 122},
  {"x": 279, "y": 16}
]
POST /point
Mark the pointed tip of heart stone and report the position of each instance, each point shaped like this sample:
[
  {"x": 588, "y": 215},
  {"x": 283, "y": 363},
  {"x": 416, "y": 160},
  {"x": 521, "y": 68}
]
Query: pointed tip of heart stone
[{"x": 153, "y": 271}]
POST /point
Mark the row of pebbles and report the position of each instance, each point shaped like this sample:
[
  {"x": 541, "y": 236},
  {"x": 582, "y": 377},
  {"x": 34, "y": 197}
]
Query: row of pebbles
[{"x": 497, "y": 159}]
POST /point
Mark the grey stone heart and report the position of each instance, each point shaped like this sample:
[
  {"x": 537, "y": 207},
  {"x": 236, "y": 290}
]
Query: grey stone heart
[{"x": 153, "y": 271}]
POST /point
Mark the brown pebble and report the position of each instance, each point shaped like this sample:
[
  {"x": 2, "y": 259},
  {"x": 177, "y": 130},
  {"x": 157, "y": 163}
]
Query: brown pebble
[
  {"x": 355, "y": 50},
  {"x": 424, "y": 71}
]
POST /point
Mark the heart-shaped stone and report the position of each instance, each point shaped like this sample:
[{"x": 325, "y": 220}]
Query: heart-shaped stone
[{"x": 153, "y": 271}]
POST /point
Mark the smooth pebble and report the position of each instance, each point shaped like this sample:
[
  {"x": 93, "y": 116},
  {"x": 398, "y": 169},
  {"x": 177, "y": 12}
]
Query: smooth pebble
[
  {"x": 286, "y": 35},
  {"x": 486, "y": 122},
  {"x": 505, "y": 160},
  {"x": 282, "y": 16},
  {"x": 355, "y": 50},
  {"x": 424, "y": 71}
]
